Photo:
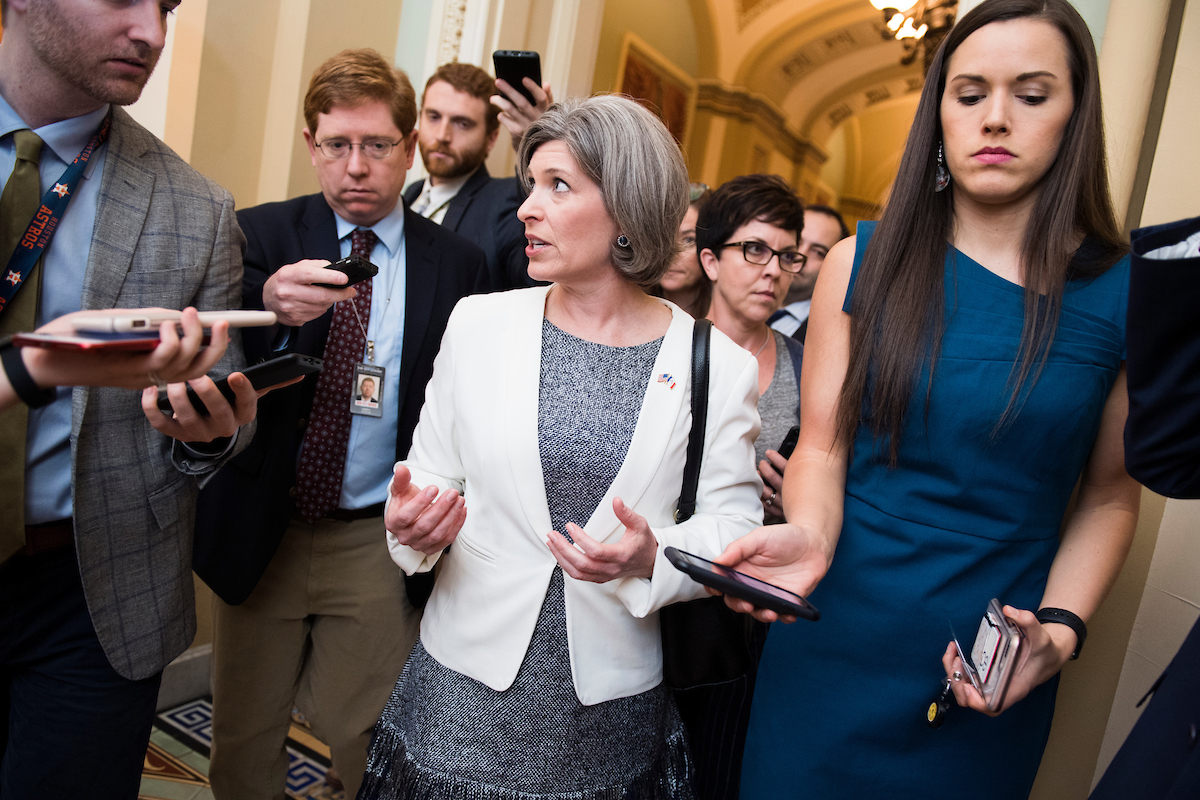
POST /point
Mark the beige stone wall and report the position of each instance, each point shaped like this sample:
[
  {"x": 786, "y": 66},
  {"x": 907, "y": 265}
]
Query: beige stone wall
[
  {"x": 667, "y": 25},
  {"x": 1169, "y": 603},
  {"x": 237, "y": 78}
]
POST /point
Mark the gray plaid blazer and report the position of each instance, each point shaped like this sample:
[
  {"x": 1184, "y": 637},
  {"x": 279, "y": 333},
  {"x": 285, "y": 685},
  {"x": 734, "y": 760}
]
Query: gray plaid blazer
[{"x": 164, "y": 236}]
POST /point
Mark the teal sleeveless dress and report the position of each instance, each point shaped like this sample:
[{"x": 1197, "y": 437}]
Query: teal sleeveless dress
[{"x": 839, "y": 709}]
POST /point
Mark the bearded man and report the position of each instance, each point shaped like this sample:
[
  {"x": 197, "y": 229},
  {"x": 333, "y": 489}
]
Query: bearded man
[{"x": 457, "y": 129}]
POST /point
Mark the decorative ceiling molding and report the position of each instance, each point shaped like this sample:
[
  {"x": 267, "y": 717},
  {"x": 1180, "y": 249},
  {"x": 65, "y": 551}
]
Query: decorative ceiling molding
[
  {"x": 856, "y": 97},
  {"x": 802, "y": 43},
  {"x": 756, "y": 109},
  {"x": 877, "y": 94},
  {"x": 748, "y": 10},
  {"x": 847, "y": 80},
  {"x": 820, "y": 50}
]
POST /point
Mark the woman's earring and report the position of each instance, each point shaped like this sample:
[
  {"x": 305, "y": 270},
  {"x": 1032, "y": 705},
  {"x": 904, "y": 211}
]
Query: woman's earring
[
  {"x": 622, "y": 241},
  {"x": 943, "y": 175}
]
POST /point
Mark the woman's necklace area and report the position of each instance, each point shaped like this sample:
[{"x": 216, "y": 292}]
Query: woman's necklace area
[{"x": 766, "y": 339}]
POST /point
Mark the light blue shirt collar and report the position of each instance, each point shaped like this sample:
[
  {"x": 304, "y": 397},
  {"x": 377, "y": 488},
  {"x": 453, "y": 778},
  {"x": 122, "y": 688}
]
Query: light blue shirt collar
[
  {"x": 390, "y": 229},
  {"x": 66, "y": 138}
]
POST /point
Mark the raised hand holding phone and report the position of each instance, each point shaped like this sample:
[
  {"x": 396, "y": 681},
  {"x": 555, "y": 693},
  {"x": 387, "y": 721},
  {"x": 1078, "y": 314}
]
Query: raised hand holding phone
[{"x": 521, "y": 96}]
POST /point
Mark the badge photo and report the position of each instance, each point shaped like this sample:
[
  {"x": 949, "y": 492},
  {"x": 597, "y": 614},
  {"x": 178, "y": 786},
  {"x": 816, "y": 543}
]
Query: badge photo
[{"x": 367, "y": 398}]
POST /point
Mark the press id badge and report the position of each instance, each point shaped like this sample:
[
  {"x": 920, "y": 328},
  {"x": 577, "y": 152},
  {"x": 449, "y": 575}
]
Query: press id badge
[
  {"x": 994, "y": 656},
  {"x": 366, "y": 399}
]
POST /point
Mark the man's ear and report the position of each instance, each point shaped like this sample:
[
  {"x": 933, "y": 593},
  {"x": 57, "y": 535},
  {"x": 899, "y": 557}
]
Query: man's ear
[
  {"x": 311, "y": 141},
  {"x": 410, "y": 147}
]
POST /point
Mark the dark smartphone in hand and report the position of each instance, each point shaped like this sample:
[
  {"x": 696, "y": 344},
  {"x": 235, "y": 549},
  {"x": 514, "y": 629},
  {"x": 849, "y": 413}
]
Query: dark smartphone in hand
[
  {"x": 514, "y": 65},
  {"x": 268, "y": 373},
  {"x": 741, "y": 585},
  {"x": 789, "y": 442},
  {"x": 356, "y": 268}
]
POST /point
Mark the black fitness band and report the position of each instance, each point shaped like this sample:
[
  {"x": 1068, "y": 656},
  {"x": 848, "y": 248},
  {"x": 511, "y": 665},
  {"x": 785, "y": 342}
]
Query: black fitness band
[
  {"x": 1064, "y": 617},
  {"x": 22, "y": 382}
]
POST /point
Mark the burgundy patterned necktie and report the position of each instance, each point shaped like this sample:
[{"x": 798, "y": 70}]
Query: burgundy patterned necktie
[{"x": 323, "y": 455}]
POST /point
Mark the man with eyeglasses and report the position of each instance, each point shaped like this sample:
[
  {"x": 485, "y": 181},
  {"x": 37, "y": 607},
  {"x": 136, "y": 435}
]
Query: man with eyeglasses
[{"x": 310, "y": 608}]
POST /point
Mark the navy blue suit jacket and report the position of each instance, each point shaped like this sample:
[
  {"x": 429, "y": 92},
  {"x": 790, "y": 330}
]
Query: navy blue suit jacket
[
  {"x": 1162, "y": 437},
  {"x": 485, "y": 212},
  {"x": 1161, "y": 758},
  {"x": 245, "y": 509}
]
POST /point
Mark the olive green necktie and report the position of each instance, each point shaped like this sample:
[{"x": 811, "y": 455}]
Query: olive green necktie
[{"x": 18, "y": 204}]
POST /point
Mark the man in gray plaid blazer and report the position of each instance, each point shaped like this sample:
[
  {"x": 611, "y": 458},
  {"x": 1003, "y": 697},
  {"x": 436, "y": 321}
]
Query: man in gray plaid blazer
[{"x": 100, "y": 598}]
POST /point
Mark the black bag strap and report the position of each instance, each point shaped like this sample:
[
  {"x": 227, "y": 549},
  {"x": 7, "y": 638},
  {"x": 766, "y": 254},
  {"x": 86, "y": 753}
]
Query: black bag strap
[{"x": 695, "y": 449}]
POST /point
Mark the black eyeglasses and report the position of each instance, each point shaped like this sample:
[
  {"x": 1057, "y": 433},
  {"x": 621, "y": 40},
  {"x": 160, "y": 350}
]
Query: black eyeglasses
[
  {"x": 338, "y": 149},
  {"x": 759, "y": 254}
]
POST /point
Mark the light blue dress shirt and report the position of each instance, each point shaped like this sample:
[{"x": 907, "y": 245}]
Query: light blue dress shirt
[
  {"x": 48, "y": 446},
  {"x": 371, "y": 452},
  {"x": 791, "y": 317}
]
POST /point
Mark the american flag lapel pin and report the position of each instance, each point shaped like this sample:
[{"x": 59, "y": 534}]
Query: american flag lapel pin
[{"x": 668, "y": 379}]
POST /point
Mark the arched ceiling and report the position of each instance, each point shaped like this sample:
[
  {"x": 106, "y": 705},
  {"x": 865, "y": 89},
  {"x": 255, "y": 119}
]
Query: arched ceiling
[{"x": 818, "y": 61}]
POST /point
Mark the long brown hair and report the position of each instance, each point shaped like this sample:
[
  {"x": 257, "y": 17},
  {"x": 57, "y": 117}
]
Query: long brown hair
[{"x": 898, "y": 302}]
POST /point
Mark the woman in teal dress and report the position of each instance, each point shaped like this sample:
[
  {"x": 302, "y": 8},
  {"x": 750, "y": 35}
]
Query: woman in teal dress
[{"x": 963, "y": 371}]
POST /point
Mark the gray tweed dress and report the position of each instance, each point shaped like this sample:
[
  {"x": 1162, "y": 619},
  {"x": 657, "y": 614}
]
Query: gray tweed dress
[{"x": 444, "y": 735}]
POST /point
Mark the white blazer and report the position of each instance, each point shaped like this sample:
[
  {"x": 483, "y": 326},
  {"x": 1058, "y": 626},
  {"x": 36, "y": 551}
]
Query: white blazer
[{"x": 478, "y": 433}]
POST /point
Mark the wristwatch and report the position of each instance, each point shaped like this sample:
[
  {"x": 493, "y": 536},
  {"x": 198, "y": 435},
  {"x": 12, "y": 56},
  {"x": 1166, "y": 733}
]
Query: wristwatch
[
  {"x": 22, "y": 382},
  {"x": 1064, "y": 617}
]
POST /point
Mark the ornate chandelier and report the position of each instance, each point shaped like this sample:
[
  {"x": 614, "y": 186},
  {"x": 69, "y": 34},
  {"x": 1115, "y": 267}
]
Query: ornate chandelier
[{"x": 920, "y": 25}]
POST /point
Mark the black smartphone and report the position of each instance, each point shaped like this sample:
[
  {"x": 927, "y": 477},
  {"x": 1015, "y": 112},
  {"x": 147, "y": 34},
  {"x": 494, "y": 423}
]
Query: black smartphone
[
  {"x": 514, "y": 65},
  {"x": 741, "y": 585},
  {"x": 268, "y": 373},
  {"x": 356, "y": 268},
  {"x": 789, "y": 442}
]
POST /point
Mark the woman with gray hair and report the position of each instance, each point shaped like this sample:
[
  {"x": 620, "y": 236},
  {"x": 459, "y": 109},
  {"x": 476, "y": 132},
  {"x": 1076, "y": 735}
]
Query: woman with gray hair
[{"x": 563, "y": 413}]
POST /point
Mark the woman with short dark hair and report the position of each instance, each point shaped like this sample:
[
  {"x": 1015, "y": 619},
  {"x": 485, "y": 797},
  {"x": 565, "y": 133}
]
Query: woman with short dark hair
[
  {"x": 748, "y": 238},
  {"x": 964, "y": 371}
]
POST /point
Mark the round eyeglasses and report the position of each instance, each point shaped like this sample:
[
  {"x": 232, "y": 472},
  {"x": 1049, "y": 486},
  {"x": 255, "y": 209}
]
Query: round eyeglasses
[
  {"x": 371, "y": 148},
  {"x": 760, "y": 255}
]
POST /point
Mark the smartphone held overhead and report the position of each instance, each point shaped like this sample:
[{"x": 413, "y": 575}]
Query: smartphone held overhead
[{"x": 513, "y": 66}]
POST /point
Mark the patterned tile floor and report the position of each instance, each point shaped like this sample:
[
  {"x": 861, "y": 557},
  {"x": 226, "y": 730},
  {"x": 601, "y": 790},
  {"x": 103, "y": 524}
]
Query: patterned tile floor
[{"x": 176, "y": 765}]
